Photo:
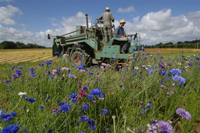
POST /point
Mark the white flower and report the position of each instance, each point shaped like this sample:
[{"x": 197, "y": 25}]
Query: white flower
[
  {"x": 22, "y": 93},
  {"x": 136, "y": 68}
]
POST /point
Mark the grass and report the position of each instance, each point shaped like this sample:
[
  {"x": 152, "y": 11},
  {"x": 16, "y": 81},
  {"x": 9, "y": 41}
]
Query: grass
[{"x": 124, "y": 90}]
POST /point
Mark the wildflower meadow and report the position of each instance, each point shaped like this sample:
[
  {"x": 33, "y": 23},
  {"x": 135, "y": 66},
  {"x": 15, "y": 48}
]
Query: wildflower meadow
[{"x": 149, "y": 93}]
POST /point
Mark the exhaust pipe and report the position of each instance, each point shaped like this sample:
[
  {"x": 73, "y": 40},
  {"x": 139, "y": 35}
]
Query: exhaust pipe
[{"x": 86, "y": 21}]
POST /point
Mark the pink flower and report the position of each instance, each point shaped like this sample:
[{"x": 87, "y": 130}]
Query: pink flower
[
  {"x": 64, "y": 69},
  {"x": 102, "y": 67},
  {"x": 77, "y": 69},
  {"x": 131, "y": 58},
  {"x": 62, "y": 45},
  {"x": 103, "y": 64},
  {"x": 82, "y": 71},
  {"x": 54, "y": 71},
  {"x": 75, "y": 43},
  {"x": 66, "y": 55},
  {"x": 169, "y": 121}
]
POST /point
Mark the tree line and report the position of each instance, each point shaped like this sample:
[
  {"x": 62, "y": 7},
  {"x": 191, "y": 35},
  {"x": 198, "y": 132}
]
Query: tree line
[
  {"x": 18, "y": 45},
  {"x": 185, "y": 44}
]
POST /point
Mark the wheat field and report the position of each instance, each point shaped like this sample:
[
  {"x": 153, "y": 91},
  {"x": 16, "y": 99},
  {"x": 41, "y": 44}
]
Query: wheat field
[
  {"x": 33, "y": 55},
  {"x": 24, "y": 55}
]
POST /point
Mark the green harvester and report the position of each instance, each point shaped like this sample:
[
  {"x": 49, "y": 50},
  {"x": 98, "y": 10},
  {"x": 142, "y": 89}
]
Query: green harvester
[{"x": 89, "y": 44}]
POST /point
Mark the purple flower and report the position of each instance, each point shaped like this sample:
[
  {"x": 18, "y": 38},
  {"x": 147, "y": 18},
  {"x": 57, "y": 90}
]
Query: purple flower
[
  {"x": 15, "y": 76},
  {"x": 104, "y": 111},
  {"x": 162, "y": 65},
  {"x": 164, "y": 127},
  {"x": 10, "y": 129},
  {"x": 84, "y": 118},
  {"x": 183, "y": 113},
  {"x": 85, "y": 107},
  {"x": 151, "y": 128}
]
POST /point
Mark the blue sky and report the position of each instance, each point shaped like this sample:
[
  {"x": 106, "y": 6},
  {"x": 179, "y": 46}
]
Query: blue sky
[{"x": 156, "y": 21}]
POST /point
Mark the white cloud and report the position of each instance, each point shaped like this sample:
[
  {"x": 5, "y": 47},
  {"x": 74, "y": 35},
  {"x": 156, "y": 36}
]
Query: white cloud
[
  {"x": 136, "y": 19},
  {"x": 7, "y": 13},
  {"x": 128, "y": 9},
  {"x": 162, "y": 27}
]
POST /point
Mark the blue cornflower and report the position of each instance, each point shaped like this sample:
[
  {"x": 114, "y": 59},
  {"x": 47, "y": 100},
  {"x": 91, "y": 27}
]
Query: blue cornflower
[
  {"x": 77, "y": 124},
  {"x": 85, "y": 88},
  {"x": 19, "y": 67},
  {"x": 195, "y": 89},
  {"x": 150, "y": 71},
  {"x": 73, "y": 95},
  {"x": 179, "y": 78},
  {"x": 13, "y": 113},
  {"x": 6, "y": 117},
  {"x": 175, "y": 71},
  {"x": 31, "y": 100},
  {"x": 85, "y": 107},
  {"x": 143, "y": 111},
  {"x": 134, "y": 49},
  {"x": 104, "y": 111},
  {"x": 96, "y": 91},
  {"x": 24, "y": 129},
  {"x": 91, "y": 73},
  {"x": 135, "y": 59},
  {"x": 101, "y": 95},
  {"x": 95, "y": 66},
  {"x": 91, "y": 124},
  {"x": 149, "y": 106},
  {"x": 84, "y": 118},
  {"x": 90, "y": 97},
  {"x": 41, "y": 64},
  {"x": 73, "y": 100},
  {"x": 41, "y": 107},
  {"x": 65, "y": 107},
  {"x": 56, "y": 53},
  {"x": 12, "y": 67},
  {"x": 107, "y": 129},
  {"x": 113, "y": 59},
  {"x": 26, "y": 98},
  {"x": 197, "y": 58},
  {"x": 162, "y": 82},
  {"x": 7, "y": 81},
  {"x": 1, "y": 113},
  {"x": 145, "y": 58},
  {"x": 33, "y": 74},
  {"x": 31, "y": 69},
  {"x": 50, "y": 131},
  {"x": 10, "y": 129}
]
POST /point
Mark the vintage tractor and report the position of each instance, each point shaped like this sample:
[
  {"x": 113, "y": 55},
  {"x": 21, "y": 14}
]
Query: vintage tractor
[{"x": 88, "y": 45}]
